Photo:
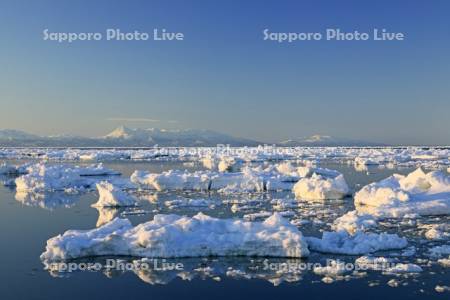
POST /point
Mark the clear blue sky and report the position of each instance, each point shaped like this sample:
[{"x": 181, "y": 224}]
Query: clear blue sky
[{"x": 223, "y": 76}]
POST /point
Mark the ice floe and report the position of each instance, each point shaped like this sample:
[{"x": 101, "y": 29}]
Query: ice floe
[
  {"x": 404, "y": 268},
  {"x": 353, "y": 222},
  {"x": 42, "y": 177},
  {"x": 373, "y": 263},
  {"x": 248, "y": 180},
  {"x": 318, "y": 187},
  {"x": 333, "y": 268},
  {"x": 191, "y": 203},
  {"x": 417, "y": 193},
  {"x": 179, "y": 236},
  {"x": 173, "y": 180},
  {"x": 439, "y": 251},
  {"x": 442, "y": 288},
  {"x": 8, "y": 169},
  {"x": 112, "y": 196},
  {"x": 341, "y": 242},
  {"x": 445, "y": 262}
]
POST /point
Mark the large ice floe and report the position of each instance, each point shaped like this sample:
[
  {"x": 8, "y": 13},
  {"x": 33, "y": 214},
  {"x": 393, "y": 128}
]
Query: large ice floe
[
  {"x": 180, "y": 236},
  {"x": 42, "y": 177},
  {"x": 318, "y": 187},
  {"x": 417, "y": 193},
  {"x": 112, "y": 196}
]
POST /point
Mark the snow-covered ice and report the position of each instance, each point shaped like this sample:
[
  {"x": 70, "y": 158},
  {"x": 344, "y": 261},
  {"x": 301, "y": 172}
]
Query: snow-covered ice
[
  {"x": 178, "y": 236},
  {"x": 341, "y": 242},
  {"x": 247, "y": 180},
  {"x": 445, "y": 262},
  {"x": 373, "y": 263},
  {"x": 439, "y": 251},
  {"x": 173, "y": 180},
  {"x": 318, "y": 187},
  {"x": 332, "y": 268},
  {"x": 185, "y": 202},
  {"x": 42, "y": 177},
  {"x": 404, "y": 268},
  {"x": 417, "y": 193},
  {"x": 353, "y": 222},
  {"x": 112, "y": 196},
  {"x": 8, "y": 169}
]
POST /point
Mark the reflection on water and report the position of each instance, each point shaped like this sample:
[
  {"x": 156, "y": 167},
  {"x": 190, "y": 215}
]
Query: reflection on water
[
  {"x": 106, "y": 214},
  {"x": 163, "y": 271},
  {"x": 48, "y": 201}
]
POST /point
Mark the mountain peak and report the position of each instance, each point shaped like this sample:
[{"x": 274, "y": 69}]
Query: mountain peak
[{"x": 318, "y": 140}]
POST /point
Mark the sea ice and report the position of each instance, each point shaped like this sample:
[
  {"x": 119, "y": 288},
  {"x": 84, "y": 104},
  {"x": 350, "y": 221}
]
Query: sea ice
[
  {"x": 442, "y": 288},
  {"x": 332, "y": 269},
  {"x": 173, "y": 180},
  {"x": 228, "y": 164},
  {"x": 248, "y": 180},
  {"x": 445, "y": 262},
  {"x": 373, "y": 263},
  {"x": 185, "y": 202},
  {"x": 111, "y": 196},
  {"x": 404, "y": 268},
  {"x": 341, "y": 242},
  {"x": 309, "y": 171},
  {"x": 417, "y": 193},
  {"x": 7, "y": 169},
  {"x": 318, "y": 187},
  {"x": 353, "y": 222},
  {"x": 181, "y": 236},
  {"x": 42, "y": 177},
  {"x": 439, "y": 251}
]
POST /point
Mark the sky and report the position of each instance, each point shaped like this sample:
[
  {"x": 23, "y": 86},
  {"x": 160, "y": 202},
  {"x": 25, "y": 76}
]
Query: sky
[{"x": 223, "y": 76}]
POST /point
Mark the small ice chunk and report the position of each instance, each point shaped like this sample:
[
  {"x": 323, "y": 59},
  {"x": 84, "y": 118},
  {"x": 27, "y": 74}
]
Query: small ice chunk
[
  {"x": 185, "y": 202},
  {"x": 393, "y": 282},
  {"x": 437, "y": 232},
  {"x": 442, "y": 288},
  {"x": 228, "y": 164},
  {"x": 445, "y": 262},
  {"x": 111, "y": 196},
  {"x": 439, "y": 251},
  {"x": 404, "y": 268},
  {"x": 332, "y": 269},
  {"x": 373, "y": 263}
]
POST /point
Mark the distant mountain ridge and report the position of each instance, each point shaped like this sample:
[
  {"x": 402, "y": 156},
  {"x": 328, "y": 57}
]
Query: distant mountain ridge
[
  {"x": 175, "y": 137},
  {"x": 126, "y": 137},
  {"x": 138, "y": 137},
  {"x": 326, "y": 141}
]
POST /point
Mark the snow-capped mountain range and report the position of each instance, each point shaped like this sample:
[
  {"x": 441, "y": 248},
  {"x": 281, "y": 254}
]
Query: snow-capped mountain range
[
  {"x": 137, "y": 137},
  {"x": 125, "y": 137}
]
